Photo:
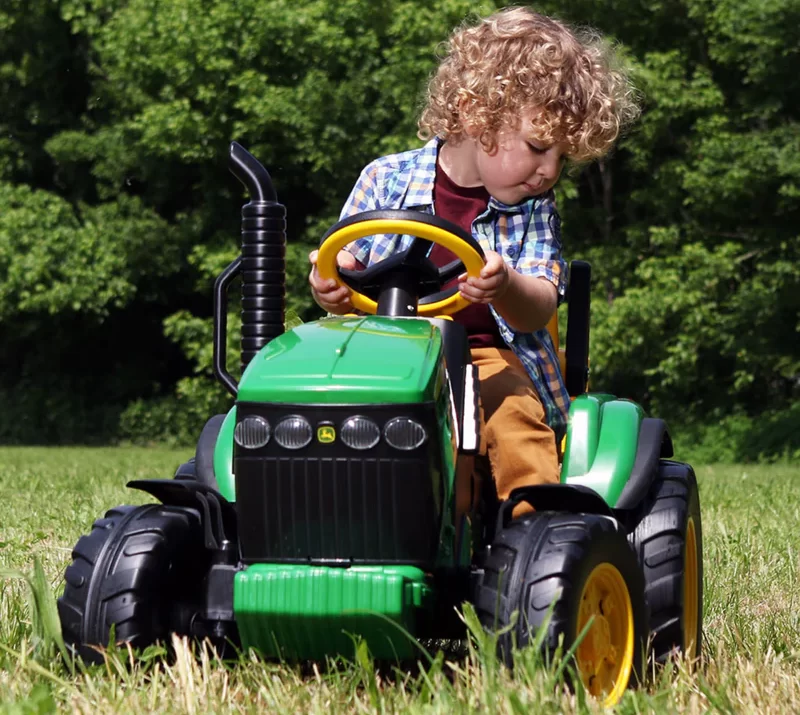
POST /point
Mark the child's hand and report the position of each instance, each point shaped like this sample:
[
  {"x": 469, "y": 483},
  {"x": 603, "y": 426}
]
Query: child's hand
[
  {"x": 492, "y": 284},
  {"x": 328, "y": 296}
]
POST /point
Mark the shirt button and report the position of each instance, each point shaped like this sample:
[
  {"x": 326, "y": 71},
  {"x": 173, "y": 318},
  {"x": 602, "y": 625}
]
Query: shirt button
[{"x": 511, "y": 251}]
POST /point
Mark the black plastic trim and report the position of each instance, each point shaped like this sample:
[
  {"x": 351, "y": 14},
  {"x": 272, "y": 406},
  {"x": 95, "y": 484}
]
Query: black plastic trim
[
  {"x": 455, "y": 346},
  {"x": 204, "y": 455},
  {"x": 569, "y": 498},
  {"x": 218, "y": 514},
  {"x": 654, "y": 443},
  {"x": 221, "y": 324},
  {"x": 578, "y": 311}
]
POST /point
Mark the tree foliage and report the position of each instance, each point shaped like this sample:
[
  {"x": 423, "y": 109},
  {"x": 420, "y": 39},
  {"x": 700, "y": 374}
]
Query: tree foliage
[
  {"x": 116, "y": 209},
  {"x": 701, "y": 310}
]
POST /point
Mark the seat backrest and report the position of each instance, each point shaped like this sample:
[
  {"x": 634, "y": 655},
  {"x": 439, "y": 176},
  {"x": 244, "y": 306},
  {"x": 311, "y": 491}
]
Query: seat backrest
[{"x": 574, "y": 357}]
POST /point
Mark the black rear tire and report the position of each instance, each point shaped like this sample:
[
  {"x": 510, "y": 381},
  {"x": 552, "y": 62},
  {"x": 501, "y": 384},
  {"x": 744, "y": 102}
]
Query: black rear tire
[
  {"x": 187, "y": 471},
  {"x": 200, "y": 468},
  {"x": 671, "y": 558},
  {"x": 546, "y": 558},
  {"x": 137, "y": 569},
  {"x": 204, "y": 455}
]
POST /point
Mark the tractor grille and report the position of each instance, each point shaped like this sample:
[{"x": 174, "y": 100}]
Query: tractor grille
[{"x": 337, "y": 510}]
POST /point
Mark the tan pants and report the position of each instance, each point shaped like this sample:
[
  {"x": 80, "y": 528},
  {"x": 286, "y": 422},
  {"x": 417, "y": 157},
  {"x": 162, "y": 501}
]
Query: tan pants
[{"x": 520, "y": 446}]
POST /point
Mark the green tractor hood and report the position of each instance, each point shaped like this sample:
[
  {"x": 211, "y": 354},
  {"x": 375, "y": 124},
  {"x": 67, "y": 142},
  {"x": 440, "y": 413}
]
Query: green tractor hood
[{"x": 347, "y": 360}]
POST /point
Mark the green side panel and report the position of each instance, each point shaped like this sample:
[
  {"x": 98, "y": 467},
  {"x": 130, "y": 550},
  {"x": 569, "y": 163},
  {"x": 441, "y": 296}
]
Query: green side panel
[
  {"x": 583, "y": 430},
  {"x": 347, "y": 360},
  {"x": 309, "y": 612},
  {"x": 465, "y": 544},
  {"x": 614, "y": 451},
  {"x": 223, "y": 457},
  {"x": 446, "y": 554}
]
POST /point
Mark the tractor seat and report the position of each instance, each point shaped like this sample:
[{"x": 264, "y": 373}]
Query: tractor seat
[{"x": 574, "y": 357}]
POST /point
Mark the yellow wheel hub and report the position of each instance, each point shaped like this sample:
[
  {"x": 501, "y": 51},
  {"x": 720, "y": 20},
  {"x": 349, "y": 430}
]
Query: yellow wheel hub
[
  {"x": 691, "y": 593},
  {"x": 605, "y": 654}
]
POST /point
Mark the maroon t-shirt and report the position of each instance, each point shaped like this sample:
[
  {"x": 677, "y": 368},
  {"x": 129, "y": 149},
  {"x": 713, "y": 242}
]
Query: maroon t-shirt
[{"x": 461, "y": 205}]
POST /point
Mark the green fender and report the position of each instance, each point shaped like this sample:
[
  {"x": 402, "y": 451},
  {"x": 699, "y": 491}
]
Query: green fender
[{"x": 602, "y": 437}]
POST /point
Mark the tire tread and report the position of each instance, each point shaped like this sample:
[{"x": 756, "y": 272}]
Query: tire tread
[{"x": 116, "y": 577}]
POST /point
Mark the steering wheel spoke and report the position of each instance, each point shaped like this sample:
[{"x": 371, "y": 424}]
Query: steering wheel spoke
[
  {"x": 450, "y": 271},
  {"x": 372, "y": 276},
  {"x": 418, "y": 250}
]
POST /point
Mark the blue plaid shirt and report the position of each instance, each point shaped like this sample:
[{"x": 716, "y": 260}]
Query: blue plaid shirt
[{"x": 526, "y": 235}]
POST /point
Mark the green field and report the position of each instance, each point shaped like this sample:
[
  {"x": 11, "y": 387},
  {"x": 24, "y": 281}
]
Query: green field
[{"x": 751, "y": 520}]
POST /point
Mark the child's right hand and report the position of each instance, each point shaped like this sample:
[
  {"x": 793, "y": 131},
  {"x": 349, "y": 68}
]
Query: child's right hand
[{"x": 325, "y": 292}]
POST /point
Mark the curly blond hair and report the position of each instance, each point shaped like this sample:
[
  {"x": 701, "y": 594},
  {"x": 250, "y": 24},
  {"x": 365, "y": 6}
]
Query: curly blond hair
[{"x": 517, "y": 63}]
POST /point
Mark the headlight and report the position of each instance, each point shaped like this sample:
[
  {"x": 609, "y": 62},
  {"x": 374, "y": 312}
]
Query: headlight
[
  {"x": 360, "y": 433},
  {"x": 293, "y": 432},
  {"x": 251, "y": 432},
  {"x": 404, "y": 433}
]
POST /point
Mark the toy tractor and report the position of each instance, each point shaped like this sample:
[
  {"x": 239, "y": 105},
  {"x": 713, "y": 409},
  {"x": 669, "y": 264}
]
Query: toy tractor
[{"x": 337, "y": 498}]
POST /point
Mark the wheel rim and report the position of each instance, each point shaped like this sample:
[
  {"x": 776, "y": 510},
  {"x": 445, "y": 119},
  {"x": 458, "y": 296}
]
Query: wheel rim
[
  {"x": 691, "y": 592},
  {"x": 605, "y": 653}
]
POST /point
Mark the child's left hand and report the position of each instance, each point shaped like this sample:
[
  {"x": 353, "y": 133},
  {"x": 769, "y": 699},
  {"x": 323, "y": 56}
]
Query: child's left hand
[{"x": 492, "y": 284}]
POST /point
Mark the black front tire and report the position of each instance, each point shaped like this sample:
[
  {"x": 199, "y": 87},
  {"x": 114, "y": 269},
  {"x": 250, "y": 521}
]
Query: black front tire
[
  {"x": 137, "y": 568},
  {"x": 549, "y": 559},
  {"x": 668, "y": 541}
]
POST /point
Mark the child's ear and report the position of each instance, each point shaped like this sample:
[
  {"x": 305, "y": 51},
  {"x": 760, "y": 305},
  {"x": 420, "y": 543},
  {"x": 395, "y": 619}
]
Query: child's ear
[
  {"x": 471, "y": 130},
  {"x": 466, "y": 116}
]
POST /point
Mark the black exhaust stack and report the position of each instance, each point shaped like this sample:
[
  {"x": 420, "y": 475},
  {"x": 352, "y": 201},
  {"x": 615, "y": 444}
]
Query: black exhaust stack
[{"x": 262, "y": 266}]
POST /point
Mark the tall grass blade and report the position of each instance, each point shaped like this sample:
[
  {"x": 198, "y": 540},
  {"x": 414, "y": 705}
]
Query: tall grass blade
[{"x": 45, "y": 623}]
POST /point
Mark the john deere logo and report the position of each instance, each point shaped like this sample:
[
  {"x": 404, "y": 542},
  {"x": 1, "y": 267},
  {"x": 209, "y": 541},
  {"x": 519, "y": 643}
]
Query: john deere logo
[{"x": 326, "y": 434}]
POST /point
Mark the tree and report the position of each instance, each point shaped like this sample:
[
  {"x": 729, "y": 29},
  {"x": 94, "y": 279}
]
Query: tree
[
  {"x": 692, "y": 226},
  {"x": 116, "y": 209}
]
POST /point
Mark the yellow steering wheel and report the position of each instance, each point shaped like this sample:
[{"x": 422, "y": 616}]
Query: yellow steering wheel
[{"x": 405, "y": 283}]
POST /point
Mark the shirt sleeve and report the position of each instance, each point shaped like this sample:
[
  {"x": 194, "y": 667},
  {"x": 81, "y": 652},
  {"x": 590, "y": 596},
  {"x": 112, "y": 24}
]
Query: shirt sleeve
[
  {"x": 363, "y": 197},
  {"x": 541, "y": 250}
]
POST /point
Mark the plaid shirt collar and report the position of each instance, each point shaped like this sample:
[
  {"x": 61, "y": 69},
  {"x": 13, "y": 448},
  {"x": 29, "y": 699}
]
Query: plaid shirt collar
[{"x": 423, "y": 168}]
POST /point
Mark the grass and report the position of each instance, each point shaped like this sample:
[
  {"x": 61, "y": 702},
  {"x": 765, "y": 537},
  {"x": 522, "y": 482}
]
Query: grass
[{"x": 49, "y": 497}]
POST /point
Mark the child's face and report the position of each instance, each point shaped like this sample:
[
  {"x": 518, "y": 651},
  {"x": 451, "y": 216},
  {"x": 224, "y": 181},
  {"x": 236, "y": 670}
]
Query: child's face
[{"x": 519, "y": 166}]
